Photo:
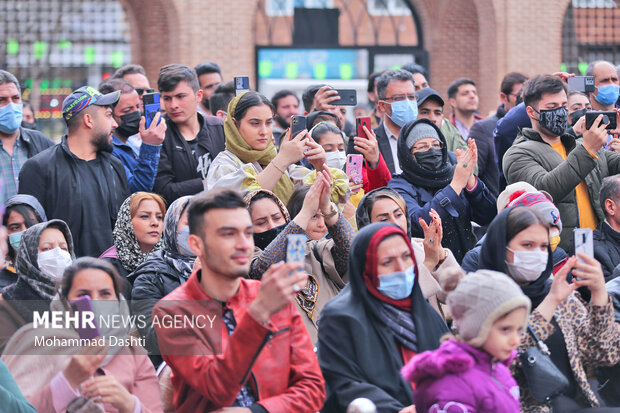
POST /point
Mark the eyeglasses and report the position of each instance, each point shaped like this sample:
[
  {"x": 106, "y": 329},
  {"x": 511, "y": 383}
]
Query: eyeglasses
[
  {"x": 142, "y": 91},
  {"x": 398, "y": 98},
  {"x": 425, "y": 147}
]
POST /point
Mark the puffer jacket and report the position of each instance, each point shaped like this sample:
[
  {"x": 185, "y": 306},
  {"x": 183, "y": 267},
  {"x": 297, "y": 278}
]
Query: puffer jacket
[
  {"x": 534, "y": 161},
  {"x": 460, "y": 378},
  {"x": 607, "y": 248},
  {"x": 275, "y": 359}
]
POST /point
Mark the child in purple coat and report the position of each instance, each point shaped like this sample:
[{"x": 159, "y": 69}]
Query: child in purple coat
[{"x": 469, "y": 373}]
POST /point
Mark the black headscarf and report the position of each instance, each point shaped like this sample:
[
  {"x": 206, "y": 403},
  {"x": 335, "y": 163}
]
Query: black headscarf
[
  {"x": 413, "y": 172},
  {"x": 493, "y": 257},
  {"x": 363, "y": 213},
  {"x": 425, "y": 318}
]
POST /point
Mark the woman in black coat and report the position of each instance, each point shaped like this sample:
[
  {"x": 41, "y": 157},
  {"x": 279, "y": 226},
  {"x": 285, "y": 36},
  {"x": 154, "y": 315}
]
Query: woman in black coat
[{"x": 376, "y": 324}]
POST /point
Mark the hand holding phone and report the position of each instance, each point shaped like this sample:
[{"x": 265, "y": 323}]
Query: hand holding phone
[
  {"x": 348, "y": 97},
  {"x": 298, "y": 123},
  {"x": 151, "y": 107},
  {"x": 361, "y": 122},
  {"x": 84, "y": 305},
  {"x": 354, "y": 168}
]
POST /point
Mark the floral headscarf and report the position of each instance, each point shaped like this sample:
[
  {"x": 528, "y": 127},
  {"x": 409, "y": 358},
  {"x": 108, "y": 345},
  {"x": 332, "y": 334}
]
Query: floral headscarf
[{"x": 127, "y": 246}]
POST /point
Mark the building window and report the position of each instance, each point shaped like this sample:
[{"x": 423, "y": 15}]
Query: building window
[
  {"x": 388, "y": 8},
  {"x": 287, "y": 7}
]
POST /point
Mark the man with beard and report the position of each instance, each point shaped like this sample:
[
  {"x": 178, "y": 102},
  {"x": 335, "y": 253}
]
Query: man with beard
[
  {"x": 209, "y": 76},
  {"x": 287, "y": 105},
  {"x": 79, "y": 180},
  {"x": 140, "y": 167},
  {"x": 264, "y": 341}
]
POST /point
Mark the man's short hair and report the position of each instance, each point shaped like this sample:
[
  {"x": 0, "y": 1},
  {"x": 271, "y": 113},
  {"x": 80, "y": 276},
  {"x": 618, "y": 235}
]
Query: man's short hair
[
  {"x": 112, "y": 85},
  {"x": 591, "y": 65},
  {"x": 610, "y": 189},
  {"x": 8, "y": 77},
  {"x": 281, "y": 94},
  {"x": 171, "y": 75},
  {"x": 534, "y": 88},
  {"x": 207, "y": 67},
  {"x": 221, "y": 97},
  {"x": 453, "y": 89},
  {"x": 372, "y": 81},
  {"x": 204, "y": 202},
  {"x": 389, "y": 76},
  {"x": 308, "y": 96},
  {"x": 130, "y": 69},
  {"x": 414, "y": 68},
  {"x": 510, "y": 80}
]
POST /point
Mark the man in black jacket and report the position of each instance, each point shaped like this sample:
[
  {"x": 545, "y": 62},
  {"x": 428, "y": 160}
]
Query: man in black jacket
[
  {"x": 482, "y": 131},
  {"x": 78, "y": 180},
  {"x": 397, "y": 105},
  {"x": 607, "y": 235},
  {"x": 192, "y": 140},
  {"x": 17, "y": 144}
]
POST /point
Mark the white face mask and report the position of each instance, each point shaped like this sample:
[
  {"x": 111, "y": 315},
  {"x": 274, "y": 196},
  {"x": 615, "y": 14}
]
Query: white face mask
[
  {"x": 527, "y": 266},
  {"x": 53, "y": 262},
  {"x": 335, "y": 159}
]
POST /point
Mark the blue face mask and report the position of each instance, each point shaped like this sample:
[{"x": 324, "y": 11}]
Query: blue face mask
[
  {"x": 397, "y": 285},
  {"x": 14, "y": 239},
  {"x": 608, "y": 94},
  {"x": 403, "y": 111},
  {"x": 11, "y": 117}
]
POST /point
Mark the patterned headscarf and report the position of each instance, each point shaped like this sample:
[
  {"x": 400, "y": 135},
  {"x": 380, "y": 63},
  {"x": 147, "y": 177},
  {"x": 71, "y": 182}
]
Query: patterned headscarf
[
  {"x": 127, "y": 246},
  {"x": 182, "y": 263},
  {"x": 26, "y": 262}
]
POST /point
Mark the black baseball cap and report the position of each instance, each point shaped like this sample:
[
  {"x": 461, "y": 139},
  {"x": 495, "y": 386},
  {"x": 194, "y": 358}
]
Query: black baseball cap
[
  {"x": 423, "y": 94},
  {"x": 85, "y": 96}
]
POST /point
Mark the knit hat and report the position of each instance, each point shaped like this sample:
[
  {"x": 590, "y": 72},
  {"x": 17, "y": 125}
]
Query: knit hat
[
  {"x": 503, "y": 198},
  {"x": 420, "y": 131},
  {"x": 479, "y": 299},
  {"x": 539, "y": 201}
]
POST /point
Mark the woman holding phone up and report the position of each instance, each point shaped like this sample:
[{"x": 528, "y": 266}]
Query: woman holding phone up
[{"x": 250, "y": 161}]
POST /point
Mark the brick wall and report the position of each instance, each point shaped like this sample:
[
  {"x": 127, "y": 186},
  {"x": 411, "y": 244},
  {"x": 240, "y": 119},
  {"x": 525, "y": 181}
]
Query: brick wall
[{"x": 481, "y": 39}]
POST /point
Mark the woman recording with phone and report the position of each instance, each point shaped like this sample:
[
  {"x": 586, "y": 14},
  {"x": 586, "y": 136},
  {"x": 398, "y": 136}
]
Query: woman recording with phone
[{"x": 250, "y": 161}]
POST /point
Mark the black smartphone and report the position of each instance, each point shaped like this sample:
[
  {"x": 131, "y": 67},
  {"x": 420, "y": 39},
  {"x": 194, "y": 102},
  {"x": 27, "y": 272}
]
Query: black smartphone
[
  {"x": 298, "y": 123},
  {"x": 609, "y": 117},
  {"x": 582, "y": 84},
  {"x": 348, "y": 97},
  {"x": 242, "y": 84},
  {"x": 151, "y": 107}
]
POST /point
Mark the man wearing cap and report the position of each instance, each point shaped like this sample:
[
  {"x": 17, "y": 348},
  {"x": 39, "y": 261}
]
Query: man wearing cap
[{"x": 79, "y": 180}]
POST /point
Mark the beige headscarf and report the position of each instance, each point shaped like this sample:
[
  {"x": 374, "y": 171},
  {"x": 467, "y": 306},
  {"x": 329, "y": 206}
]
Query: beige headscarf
[{"x": 239, "y": 147}]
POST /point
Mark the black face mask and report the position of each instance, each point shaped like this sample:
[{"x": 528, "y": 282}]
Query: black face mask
[
  {"x": 554, "y": 120},
  {"x": 130, "y": 124},
  {"x": 574, "y": 117},
  {"x": 29, "y": 125},
  {"x": 263, "y": 239},
  {"x": 431, "y": 159}
]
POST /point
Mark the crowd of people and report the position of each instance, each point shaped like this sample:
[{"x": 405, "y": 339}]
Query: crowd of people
[{"x": 446, "y": 279}]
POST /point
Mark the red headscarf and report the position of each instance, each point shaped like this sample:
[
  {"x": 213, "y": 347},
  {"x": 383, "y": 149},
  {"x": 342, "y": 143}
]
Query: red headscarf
[{"x": 371, "y": 278}]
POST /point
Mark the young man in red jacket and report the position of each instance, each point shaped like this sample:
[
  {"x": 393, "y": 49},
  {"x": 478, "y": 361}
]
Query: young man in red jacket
[{"x": 266, "y": 363}]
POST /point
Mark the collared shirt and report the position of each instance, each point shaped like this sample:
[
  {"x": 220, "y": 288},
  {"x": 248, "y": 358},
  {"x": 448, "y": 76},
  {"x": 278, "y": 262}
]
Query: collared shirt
[
  {"x": 10, "y": 165},
  {"x": 462, "y": 127},
  {"x": 394, "y": 146}
]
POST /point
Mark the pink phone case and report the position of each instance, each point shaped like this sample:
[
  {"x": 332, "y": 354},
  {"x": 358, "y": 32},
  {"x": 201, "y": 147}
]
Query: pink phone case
[
  {"x": 354, "y": 168},
  {"x": 83, "y": 304}
]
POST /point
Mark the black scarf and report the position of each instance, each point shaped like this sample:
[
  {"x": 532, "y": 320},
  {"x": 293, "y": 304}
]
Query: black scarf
[
  {"x": 424, "y": 317},
  {"x": 413, "y": 172},
  {"x": 493, "y": 257}
]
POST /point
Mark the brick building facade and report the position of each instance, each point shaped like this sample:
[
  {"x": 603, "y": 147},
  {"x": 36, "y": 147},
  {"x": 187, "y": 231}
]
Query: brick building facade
[{"x": 481, "y": 39}]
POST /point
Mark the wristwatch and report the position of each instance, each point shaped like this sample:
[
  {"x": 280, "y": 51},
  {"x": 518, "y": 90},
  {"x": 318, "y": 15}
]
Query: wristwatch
[{"x": 331, "y": 214}]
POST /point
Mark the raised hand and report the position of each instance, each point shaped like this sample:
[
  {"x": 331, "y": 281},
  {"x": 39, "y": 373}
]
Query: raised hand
[
  {"x": 291, "y": 149},
  {"x": 368, "y": 147}
]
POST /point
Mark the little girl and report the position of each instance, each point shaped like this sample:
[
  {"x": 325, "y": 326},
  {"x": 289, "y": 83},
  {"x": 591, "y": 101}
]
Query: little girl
[{"x": 469, "y": 373}]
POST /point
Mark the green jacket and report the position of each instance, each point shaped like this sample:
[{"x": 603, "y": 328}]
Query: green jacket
[
  {"x": 454, "y": 140},
  {"x": 532, "y": 160}
]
